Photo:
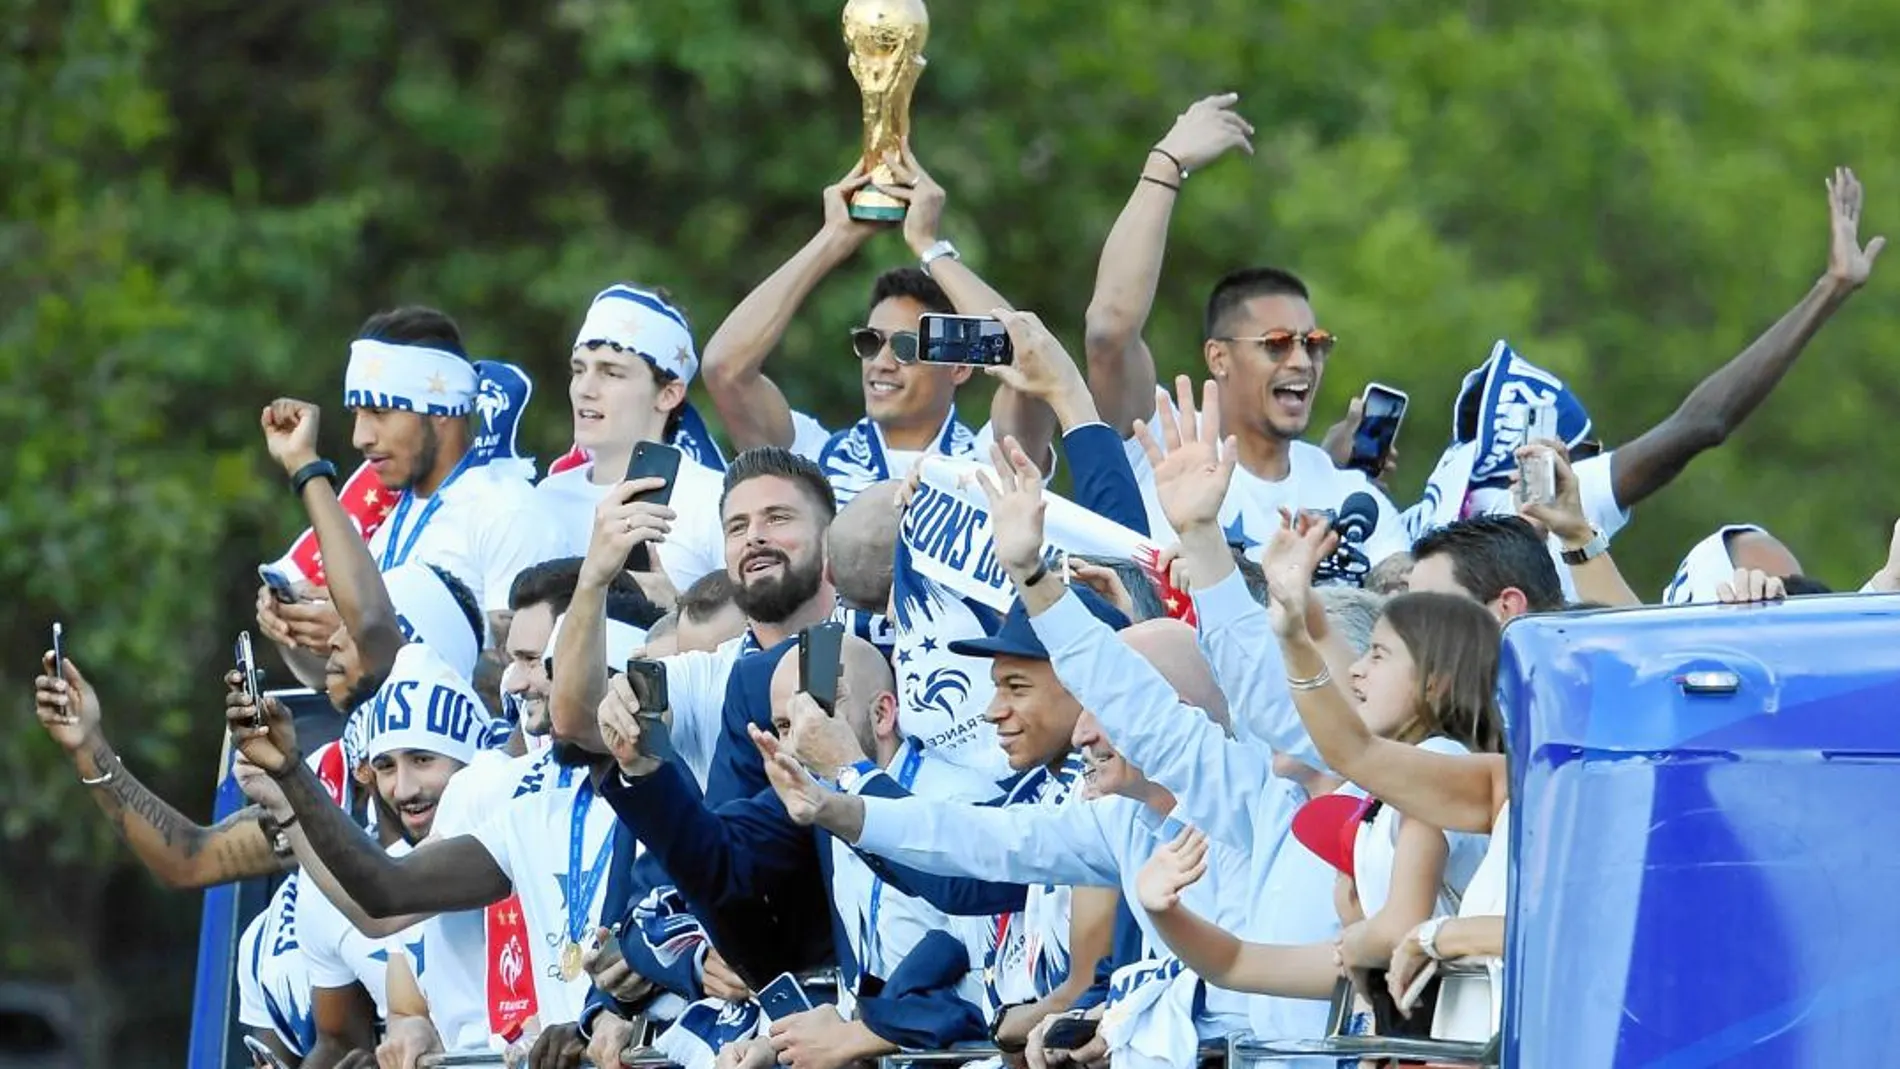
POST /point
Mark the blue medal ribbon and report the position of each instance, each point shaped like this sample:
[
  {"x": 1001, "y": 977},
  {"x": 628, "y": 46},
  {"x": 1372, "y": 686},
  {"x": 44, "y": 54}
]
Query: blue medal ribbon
[
  {"x": 395, "y": 554},
  {"x": 580, "y": 887}
]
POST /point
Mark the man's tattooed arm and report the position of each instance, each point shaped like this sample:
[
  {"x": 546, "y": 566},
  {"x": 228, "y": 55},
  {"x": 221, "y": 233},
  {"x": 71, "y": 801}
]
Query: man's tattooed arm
[{"x": 182, "y": 854}]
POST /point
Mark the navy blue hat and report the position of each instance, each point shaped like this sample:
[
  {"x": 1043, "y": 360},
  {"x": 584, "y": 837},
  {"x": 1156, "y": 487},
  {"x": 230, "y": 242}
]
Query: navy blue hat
[{"x": 1016, "y": 638}]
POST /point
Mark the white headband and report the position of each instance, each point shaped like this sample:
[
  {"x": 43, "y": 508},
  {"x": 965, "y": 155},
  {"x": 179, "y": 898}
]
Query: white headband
[
  {"x": 425, "y": 705},
  {"x": 428, "y": 613},
  {"x": 1706, "y": 567},
  {"x": 641, "y": 322},
  {"x": 623, "y": 640},
  {"x": 408, "y": 378}
]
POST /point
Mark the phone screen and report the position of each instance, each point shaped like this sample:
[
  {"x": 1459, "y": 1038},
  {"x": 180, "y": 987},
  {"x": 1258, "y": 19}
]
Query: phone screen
[
  {"x": 1382, "y": 413},
  {"x": 652, "y": 460},
  {"x": 978, "y": 340},
  {"x": 820, "y": 657}
]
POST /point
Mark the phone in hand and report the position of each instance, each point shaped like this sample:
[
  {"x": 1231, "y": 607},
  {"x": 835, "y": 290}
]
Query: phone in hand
[
  {"x": 820, "y": 659},
  {"x": 1381, "y": 411},
  {"x": 652, "y": 460},
  {"x": 1537, "y": 474},
  {"x": 784, "y": 998},
  {"x": 647, "y": 677},
  {"x": 1069, "y": 1032},
  {"x": 59, "y": 650},
  {"x": 246, "y": 659},
  {"x": 981, "y": 341},
  {"x": 280, "y": 588},
  {"x": 262, "y": 1055}
]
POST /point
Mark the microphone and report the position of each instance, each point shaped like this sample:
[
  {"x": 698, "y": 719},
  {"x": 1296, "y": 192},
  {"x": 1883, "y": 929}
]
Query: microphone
[{"x": 1358, "y": 516}]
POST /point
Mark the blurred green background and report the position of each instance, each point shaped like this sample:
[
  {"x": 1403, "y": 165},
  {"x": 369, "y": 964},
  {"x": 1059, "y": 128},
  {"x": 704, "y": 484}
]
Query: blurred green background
[{"x": 203, "y": 200}]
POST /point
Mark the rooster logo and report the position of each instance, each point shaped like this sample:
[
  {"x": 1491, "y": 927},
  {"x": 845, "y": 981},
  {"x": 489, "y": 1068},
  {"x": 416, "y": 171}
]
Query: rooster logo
[{"x": 513, "y": 962}]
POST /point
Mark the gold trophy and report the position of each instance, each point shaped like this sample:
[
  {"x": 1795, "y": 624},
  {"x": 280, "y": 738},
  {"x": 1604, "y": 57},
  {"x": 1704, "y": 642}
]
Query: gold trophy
[{"x": 886, "y": 38}]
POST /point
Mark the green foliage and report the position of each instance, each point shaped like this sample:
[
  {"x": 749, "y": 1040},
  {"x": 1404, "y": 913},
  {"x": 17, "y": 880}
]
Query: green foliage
[{"x": 203, "y": 200}]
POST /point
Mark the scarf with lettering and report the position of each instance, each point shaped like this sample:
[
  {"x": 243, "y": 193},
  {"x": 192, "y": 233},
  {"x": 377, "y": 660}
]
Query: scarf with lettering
[
  {"x": 1473, "y": 475},
  {"x": 1705, "y": 569},
  {"x": 1149, "y": 1019},
  {"x": 855, "y": 457}
]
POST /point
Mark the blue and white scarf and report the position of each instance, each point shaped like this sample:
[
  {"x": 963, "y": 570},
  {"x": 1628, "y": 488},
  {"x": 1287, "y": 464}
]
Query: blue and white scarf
[
  {"x": 855, "y": 457},
  {"x": 942, "y": 696},
  {"x": 1149, "y": 1019},
  {"x": 1473, "y": 475}
]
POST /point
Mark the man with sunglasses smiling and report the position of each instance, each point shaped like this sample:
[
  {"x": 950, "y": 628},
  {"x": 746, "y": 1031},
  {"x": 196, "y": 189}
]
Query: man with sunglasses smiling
[
  {"x": 1260, "y": 341},
  {"x": 910, "y": 407}
]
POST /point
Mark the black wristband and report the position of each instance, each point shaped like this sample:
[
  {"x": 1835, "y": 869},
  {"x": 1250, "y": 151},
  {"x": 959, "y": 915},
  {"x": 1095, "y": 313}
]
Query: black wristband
[
  {"x": 1037, "y": 576},
  {"x": 316, "y": 469},
  {"x": 1159, "y": 182}
]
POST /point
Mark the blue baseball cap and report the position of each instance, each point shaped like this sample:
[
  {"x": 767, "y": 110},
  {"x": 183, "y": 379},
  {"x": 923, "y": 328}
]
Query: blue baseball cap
[{"x": 1017, "y": 638}]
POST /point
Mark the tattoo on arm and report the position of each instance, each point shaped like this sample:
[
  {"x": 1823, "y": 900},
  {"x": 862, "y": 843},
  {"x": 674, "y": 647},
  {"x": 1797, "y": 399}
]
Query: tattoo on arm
[{"x": 180, "y": 852}]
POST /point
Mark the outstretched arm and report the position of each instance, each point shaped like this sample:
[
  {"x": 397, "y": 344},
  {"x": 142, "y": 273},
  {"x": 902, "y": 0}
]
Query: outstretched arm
[
  {"x": 1719, "y": 404},
  {"x": 751, "y": 405}
]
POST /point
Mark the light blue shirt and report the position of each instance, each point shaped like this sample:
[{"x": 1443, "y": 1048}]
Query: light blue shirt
[
  {"x": 1223, "y": 786},
  {"x": 1099, "y": 843}
]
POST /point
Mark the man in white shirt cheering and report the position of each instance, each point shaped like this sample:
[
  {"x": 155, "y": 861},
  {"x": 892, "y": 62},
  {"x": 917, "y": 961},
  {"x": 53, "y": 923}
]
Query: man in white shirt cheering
[
  {"x": 1260, "y": 339},
  {"x": 632, "y": 363}
]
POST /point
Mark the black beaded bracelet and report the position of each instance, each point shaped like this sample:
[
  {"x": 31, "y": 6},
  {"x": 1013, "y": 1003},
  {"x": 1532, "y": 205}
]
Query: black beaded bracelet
[{"x": 316, "y": 469}]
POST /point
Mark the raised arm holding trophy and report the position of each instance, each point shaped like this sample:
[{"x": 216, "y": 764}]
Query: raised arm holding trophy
[{"x": 886, "y": 39}]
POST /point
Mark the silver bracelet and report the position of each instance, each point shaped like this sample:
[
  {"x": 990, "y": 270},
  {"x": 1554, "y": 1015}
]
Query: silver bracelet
[
  {"x": 100, "y": 781},
  {"x": 1325, "y": 676}
]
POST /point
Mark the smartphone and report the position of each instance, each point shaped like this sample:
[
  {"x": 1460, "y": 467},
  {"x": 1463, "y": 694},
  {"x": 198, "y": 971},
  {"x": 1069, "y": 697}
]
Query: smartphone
[
  {"x": 246, "y": 659},
  {"x": 652, "y": 460},
  {"x": 1382, "y": 409},
  {"x": 279, "y": 586},
  {"x": 978, "y": 340},
  {"x": 59, "y": 650},
  {"x": 262, "y": 1055},
  {"x": 820, "y": 658},
  {"x": 608, "y": 950},
  {"x": 1537, "y": 475},
  {"x": 648, "y": 679},
  {"x": 783, "y": 998},
  {"x": 1069, "y": 1033}
]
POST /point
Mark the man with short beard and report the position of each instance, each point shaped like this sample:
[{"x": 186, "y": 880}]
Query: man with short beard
[{"x": 775, "y": 510}]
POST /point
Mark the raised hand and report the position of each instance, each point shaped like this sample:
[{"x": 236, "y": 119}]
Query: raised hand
[
  {"x": 1564, "y": 516},
  {"x": 1338, "y": 442},
  {"x": 925, "y": 198},
  {"x": 802, "y": 795},
  {"x": 269, "y": 740},
  {"x": 66, "y": 704},
  {"x": 621, "y": 523},
  {"x": 1192, "y": 463},
  {"x": 1043, "y": 368},
  {"x": 290, "y": 432},
  {"x": 1016, "y": 507},
  {"x": 1208, "y": 129},
  {"x": 1171, "y": 869},
  {"x": 850, "y": 233},
  {"x": 1290, "y": 561},
  {"x": 1847, "y": 262},
  {"x": 821, "y": 742}
]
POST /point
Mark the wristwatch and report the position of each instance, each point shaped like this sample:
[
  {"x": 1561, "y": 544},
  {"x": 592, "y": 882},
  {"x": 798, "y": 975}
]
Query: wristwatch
[
  {"x": 854, "y": 775},
  {"x": 1597, "y": 546},
  {"x": 936, "y": 252},
  {"x": 1427, "y": 936}
]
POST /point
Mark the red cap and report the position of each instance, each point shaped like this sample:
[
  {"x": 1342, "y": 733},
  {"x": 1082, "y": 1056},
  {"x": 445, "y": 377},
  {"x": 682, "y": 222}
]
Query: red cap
[{"x": 1329, "y": 827}]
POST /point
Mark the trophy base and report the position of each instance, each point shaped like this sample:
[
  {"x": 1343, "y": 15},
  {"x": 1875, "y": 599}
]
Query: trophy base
[{"x": 871, "y": 206}]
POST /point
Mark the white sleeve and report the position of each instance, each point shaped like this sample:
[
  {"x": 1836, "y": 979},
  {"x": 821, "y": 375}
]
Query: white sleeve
[
  {"x": 808, "y": 435},
  {"x": 251, "y": 1009},
  {"x": 511, "y": 541},
  {"x": 697, "y": 689},
  {"x": 495, "y": 835},
  {"x": 320, "y": 936},
  {"x": 1596, "y": 484},
  {"x": 1390, "y": 536},
  {"x": 1059, "y": 844}
]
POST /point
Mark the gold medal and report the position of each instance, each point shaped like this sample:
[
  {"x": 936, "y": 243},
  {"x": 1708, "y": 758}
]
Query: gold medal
[{"x": 570, "y": 960}]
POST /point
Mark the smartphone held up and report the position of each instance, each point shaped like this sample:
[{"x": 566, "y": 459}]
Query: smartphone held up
[
  {"x": 1537, "y": 473},
  {"x": 979, "y": 341}
]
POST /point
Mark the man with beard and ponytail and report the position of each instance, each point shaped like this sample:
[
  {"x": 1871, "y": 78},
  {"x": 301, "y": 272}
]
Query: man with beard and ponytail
[{"x": 775, "y": 511}]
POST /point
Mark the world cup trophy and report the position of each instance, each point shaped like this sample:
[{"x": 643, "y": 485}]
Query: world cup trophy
[{"x": 886, "y": 39}]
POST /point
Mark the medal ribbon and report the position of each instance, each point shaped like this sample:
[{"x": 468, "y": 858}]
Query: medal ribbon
[
  {"x": 581, "y": 886},
  {"x": 392, "y": 553}
]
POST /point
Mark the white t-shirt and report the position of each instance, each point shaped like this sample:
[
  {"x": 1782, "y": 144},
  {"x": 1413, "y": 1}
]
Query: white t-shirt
[
  {"x": 529, "y": 838},
  {"x": 809, "y": 436},
  {"x": 273, "y": 985},
  {"x": 1251, "y": 512},
  {"x": 337, "y": 955},
  {"x": 1376, "y": 850},
  {"x": 487, "y": 530},
  {"x": 696, "y": 689},
  {"x": 696, "y": 546},
  {"x": 455, "y": 945}
]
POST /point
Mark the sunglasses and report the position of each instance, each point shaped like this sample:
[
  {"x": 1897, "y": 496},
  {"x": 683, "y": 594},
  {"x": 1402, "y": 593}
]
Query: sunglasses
[
  {"x": 867, "y": 342},
  {"x": 1280, "y": 344}
]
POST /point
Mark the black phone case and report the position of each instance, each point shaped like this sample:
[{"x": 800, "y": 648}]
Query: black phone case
[
  {"x": 820, "y": 658},
  {"x": 653, "y": 460},
  {"x": 1069, "y": 1033}
]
